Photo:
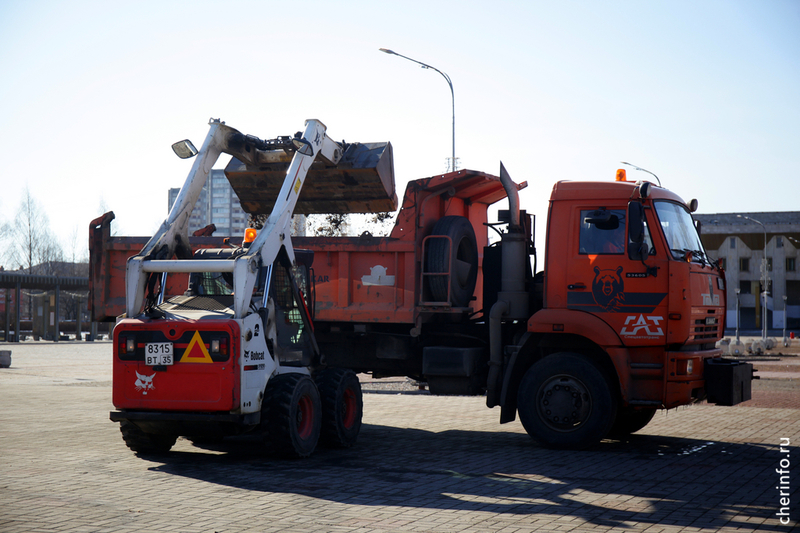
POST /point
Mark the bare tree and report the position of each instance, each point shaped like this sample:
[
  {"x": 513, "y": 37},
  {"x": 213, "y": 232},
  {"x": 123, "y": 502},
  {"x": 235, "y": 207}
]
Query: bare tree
[{"x": 31, "y": 244}]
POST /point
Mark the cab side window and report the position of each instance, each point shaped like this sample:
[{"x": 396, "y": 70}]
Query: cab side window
[{"x": 602, "y": 231}]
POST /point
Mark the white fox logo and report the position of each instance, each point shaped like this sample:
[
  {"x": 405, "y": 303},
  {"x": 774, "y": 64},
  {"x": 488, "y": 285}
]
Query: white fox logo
[{"x": 144, "y": 383}]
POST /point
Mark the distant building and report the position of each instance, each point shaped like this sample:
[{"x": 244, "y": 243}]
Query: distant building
[
  {"x": 217, "y": 205},
  {"x": 739, "y": 244}
]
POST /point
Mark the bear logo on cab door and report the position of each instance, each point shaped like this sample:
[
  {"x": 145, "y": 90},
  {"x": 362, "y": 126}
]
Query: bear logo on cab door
[{"x": 608, "y": 288}]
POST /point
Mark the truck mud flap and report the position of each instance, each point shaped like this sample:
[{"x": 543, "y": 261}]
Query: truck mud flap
[{"x": 728, "y": 382}]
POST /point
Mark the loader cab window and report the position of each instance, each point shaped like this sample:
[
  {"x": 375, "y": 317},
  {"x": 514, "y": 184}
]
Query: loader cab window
[
  {"x": 294, "y": 330},
  {"x": 602, "y": 231},
  {"x": 212, "y": 283}
]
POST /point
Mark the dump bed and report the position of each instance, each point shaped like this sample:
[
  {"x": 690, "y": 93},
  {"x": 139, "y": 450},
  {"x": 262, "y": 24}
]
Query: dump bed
[
  {"x": 384, "y": 279},
  {"x": 358, "y": 279},
  {"x": 108, "y": 256}
]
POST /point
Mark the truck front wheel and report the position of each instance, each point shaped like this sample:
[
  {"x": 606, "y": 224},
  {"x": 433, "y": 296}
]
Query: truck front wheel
[
  {"x": 141, "y": 442},
  {"x": 565, "y": 401},
  {"x": 292, "y": 415}
]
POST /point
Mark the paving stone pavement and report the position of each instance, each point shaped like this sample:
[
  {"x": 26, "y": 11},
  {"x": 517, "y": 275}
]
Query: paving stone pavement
[{"x": 422, "y": 464}]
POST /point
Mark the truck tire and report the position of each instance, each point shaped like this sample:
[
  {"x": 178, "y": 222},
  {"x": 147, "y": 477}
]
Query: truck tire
[
  {"x": 565, "y": 401},
  {"x": 342, "y": 407},
  {"x": 462, "y": 255},
  {"x": 140, "y": 442},
  {"x": 630, "y": 420},
  {"x": 291, "y": 415}
]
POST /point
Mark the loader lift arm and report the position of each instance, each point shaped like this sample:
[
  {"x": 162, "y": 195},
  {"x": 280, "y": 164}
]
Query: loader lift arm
[{"x": 172, "y": 237}]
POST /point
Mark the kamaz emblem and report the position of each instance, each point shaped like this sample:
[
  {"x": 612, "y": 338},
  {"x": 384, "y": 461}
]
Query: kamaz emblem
[{"x": 642, "y": 327}]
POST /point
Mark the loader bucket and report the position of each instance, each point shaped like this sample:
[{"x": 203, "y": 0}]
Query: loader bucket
[{"x": 362, "y": 182}]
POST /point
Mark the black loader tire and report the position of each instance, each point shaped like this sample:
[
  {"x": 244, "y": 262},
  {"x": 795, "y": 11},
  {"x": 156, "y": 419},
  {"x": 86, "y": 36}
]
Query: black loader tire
[
  {"x": 147, "y": 443},
  {"x": 463, "y": 255},
  {"x": 630, "y": 420},
  {"x": 291, "y": 415},
  {"x": 342, "y": 407},
  {"x": 565, "y": 401}
]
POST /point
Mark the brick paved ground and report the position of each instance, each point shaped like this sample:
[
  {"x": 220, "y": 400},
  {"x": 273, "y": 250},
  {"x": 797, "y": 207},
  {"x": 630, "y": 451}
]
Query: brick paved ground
[{"x": 422, "y": 464}]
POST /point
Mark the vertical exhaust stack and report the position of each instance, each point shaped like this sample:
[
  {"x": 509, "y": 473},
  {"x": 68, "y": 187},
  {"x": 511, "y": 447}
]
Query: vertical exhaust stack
[
  {"x": 515, "y": 253},
  {"x": 512, "y": 300}
]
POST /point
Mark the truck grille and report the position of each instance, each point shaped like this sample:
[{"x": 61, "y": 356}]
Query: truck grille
[{"x": 706, "y": 327}]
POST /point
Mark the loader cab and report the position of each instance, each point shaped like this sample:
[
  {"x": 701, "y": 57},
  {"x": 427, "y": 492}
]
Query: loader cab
[{"x": 287, "y": 310}]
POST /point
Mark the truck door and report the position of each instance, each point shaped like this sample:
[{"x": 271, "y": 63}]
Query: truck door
[{"x": 603, "y": 279}]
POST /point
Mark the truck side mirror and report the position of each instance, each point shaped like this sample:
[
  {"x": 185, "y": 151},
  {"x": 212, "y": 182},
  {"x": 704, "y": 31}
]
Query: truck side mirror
[{"x": 636, "y": 248}]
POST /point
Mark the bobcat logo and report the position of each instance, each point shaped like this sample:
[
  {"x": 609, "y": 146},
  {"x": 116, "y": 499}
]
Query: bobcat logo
[
  {"x": 144, "y": 383},
  {"x": 608, "y": 288}
]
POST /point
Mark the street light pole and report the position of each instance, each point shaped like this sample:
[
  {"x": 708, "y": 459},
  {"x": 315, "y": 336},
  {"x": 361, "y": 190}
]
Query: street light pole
[
  {"x": 765, "y": 277},
  {"x": 737, "y": 314},
  {"x": 785, "y": 339},
  {"x": 735, "y": 347},
  {"x": 453, "y": 166}
]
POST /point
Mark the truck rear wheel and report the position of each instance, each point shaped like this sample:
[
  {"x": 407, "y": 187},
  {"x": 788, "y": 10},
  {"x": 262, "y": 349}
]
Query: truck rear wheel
[
  {"x": 630, "y": 420},
  {"x": 292, "y": 415},
  {"x": 565, "y": 401},
  {"x": 342, "y": 407},
  {"x": 462, "y": 256},
  {"x": 141, "y": 442}
]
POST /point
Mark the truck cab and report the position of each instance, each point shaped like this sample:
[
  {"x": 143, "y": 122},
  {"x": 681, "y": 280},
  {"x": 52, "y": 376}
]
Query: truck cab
[{"x": 629, "y": 294}]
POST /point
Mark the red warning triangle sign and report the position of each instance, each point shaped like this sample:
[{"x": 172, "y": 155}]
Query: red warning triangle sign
[{"x": 196, "y": 352}]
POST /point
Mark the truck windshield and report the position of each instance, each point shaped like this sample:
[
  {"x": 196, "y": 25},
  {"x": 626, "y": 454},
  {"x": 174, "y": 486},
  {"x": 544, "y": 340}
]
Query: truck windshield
[{"x": 679, "y": 229}]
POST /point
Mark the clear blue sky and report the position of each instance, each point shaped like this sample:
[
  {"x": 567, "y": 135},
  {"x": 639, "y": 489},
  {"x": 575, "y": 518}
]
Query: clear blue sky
[{"x": 704, "y": 94}]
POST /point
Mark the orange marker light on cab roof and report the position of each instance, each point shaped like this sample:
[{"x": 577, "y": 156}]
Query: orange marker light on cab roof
[
  {"x": 621, "y": 174},
  {"x": 249, "y": 235}
]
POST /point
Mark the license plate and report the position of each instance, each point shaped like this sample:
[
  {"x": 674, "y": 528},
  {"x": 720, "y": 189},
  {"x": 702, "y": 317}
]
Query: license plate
[
  {"x": 710, "y": 321},
  {"x": 158, "y": 353}
]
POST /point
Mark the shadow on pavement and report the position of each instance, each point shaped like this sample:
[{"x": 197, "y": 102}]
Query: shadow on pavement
[{"x": 645, "y": 479}]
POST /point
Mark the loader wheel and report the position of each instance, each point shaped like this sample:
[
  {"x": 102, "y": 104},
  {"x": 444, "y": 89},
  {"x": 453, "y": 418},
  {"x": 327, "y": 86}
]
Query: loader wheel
[
  {"x": 342, "y": 407},
  {"x": 141, "y": 442},
  {"x": 565, "y": 401},
  {"x": 292, "y": 415},
  {"x": 630, "y": 420},
  {"x": 462, "y": 256}
]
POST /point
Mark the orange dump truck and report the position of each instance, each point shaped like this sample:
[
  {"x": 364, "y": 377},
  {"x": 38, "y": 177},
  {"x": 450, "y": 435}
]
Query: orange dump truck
[{"x": 622, "y": 321}]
